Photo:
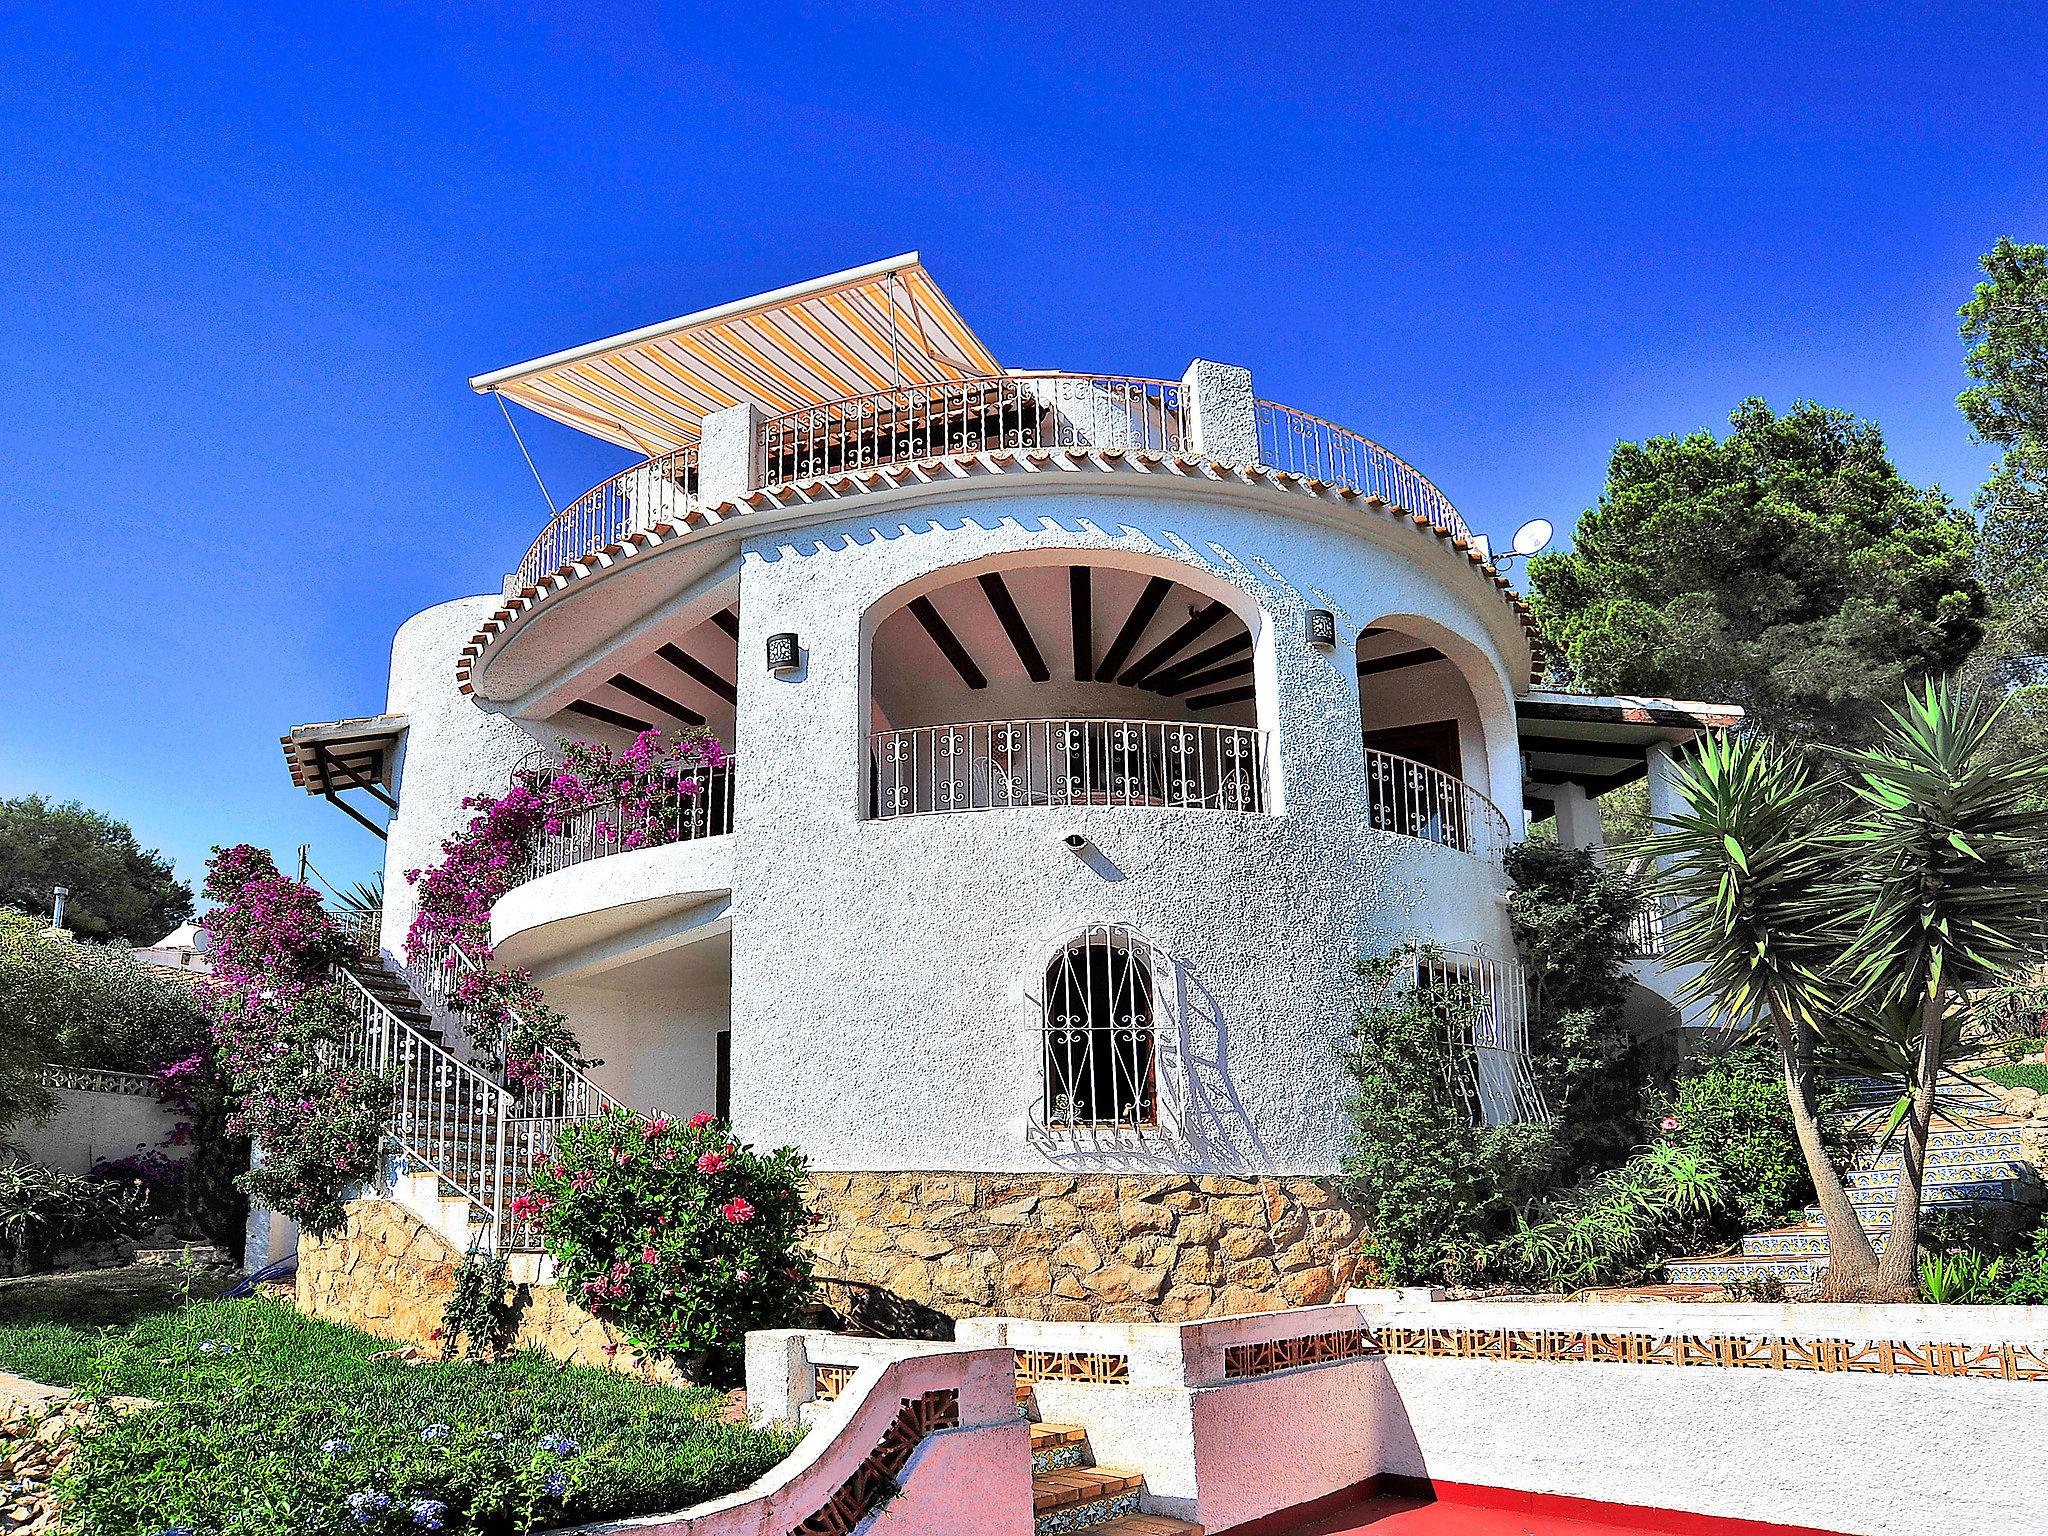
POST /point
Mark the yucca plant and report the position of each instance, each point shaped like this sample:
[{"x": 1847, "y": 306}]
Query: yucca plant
[
  {"x": 1856, "y": 909},
  {"x": 1749, "y": 872},
  {"x": 1936, "y": 858}
]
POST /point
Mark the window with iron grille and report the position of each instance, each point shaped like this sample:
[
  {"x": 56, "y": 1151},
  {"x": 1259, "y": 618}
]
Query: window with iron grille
[{"x": 1100, "y": 1012}]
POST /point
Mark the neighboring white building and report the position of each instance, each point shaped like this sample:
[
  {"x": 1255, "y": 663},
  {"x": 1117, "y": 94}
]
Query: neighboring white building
[
  {"x": 184, "y": 948},
  {"x": 1087, "y": 729}
]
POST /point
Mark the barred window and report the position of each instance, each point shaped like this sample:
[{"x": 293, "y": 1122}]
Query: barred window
[{"x": 1100, "y": 1014}]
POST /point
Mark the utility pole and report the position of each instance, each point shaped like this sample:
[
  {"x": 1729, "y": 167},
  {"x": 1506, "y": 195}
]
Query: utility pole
[{"x": 305, "y": 849}]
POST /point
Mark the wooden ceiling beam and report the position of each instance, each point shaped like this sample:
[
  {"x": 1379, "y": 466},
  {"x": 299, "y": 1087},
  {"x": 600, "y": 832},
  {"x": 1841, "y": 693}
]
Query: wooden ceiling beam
[
  {"x": 1134, "y": 626},
  {"x": 1199, "y": 623},
  {"x": 698, "y": 673},
  {"x": 654, "y": 696},
  {"x": 948, "y": 643},
  {"x": 1081, "y": 600},
  {"x": 1004, "y": 607},
  {"x": 606, "y": 716}
]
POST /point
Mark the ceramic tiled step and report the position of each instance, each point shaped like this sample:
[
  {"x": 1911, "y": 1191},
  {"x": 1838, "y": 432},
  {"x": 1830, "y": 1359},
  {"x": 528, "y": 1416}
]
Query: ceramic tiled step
[
  {"x": 1961, "y": 1184},
  {"x": 1796, "y": 1242},
  {"x": 1734, "y": 1270},
  {"x": 1058, "y": 1446},
  {"x": 1146, "y": 1525},
  {"x": 1071, "y": 1486},
  {"x": 1077, "y": 1499}
]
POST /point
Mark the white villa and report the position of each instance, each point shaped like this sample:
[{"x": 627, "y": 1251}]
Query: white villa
[{"x": 1087, "y": 730}]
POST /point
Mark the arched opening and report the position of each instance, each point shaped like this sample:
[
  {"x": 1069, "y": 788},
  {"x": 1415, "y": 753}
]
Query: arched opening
[
  {"x": 1100, "y": 1027},
  {"x": 1425, "y": 739},
  {"x": 1068, "y": 683}
]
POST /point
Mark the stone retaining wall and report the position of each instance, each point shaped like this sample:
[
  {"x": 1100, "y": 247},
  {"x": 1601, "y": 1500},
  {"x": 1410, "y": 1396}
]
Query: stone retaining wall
[
  {"x": 388, "y": 1273},
  {"x": 1092, "y": 1247}
]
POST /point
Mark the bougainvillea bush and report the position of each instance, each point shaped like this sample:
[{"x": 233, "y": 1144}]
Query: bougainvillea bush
[
  {"x": 634, "y": 798},
  {"x": 316, "y": 1123},
  {"x": 673, "y": 1230}
]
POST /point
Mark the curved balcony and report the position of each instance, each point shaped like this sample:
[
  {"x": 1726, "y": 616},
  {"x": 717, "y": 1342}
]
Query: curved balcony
[
  {"x": 1411, "y": 799},
  {"x": 990, "y": 765},
  {"x": 1013, "y": 412},
  {"x": 704, "y": 809}
]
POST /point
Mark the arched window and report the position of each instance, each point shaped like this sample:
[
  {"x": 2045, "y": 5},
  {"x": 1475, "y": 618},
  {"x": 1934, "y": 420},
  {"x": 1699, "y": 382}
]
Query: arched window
[{"x": 1100, "y": 1014}]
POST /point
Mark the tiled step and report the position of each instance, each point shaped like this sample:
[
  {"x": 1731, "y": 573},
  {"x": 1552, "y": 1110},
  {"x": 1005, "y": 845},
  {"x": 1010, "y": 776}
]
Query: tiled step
[
  {"x": 1951, "y": 1184},
  {"x": 1796, "y": 1242},
  {"x": 1073, "y": 1499},
  {"x": 1056, "y": 1447},
  {"x": 1147, "y": 1525},
  {"x": 1735, "y": 1269}
]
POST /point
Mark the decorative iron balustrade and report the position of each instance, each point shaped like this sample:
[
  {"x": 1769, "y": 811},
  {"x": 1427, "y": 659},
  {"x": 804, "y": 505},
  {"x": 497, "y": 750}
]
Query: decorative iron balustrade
[
  {"x": 1308, "y": 445},
  {"x": 1000, "y": 764},
  {"x": 1018, "y": 411},
  {"x": 363, "y": 927},
  {"x": 662, "y": 490},
  {"x": 1412, "y": 799},
  {"x": 139, "y": 1085},
  {"x": 448, "y": 1116},
  {"x": 1488, "y": 1059},
  {"x": 1646, "y": 930},
  {"x": 445, "y": 1114},
  {"x": 1100, "y": 1018},
  {"x": 698, "y": 805}
]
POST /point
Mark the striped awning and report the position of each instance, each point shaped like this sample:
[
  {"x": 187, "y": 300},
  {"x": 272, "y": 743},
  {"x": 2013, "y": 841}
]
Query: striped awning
[{"x": 877, "y": 327}]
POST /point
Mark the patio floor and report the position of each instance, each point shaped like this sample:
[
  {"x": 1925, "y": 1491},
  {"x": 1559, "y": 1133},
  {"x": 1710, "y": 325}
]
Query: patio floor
[{"x": 1403, "y": 1515}]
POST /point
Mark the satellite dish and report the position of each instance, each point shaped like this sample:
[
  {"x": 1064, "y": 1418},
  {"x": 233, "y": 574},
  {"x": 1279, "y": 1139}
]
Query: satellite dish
[{"x": 1533, "y": 536}]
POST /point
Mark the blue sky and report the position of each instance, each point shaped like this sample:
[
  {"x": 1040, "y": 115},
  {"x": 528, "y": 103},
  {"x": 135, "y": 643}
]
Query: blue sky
[{"x": 248, "y": 259}]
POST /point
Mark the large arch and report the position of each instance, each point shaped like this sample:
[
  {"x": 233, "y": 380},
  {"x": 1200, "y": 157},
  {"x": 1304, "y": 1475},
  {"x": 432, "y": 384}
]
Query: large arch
[
  {"x": 1429, "y": 694},
  {"x": 1096, "y": 676}
]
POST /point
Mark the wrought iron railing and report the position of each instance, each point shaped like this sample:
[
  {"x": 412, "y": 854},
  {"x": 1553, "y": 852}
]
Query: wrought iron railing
[
  {"x": 1294, "y": 440},
  {"x": 662, "y": 490},
  {"x": 1017, "y": 411},
  {"x": 452, "y": 1118},
  {"x": 1412, "y": 799},
  {"x": 1487, "y": 1062},
  {"x": 997, "y": 764},
  {"x": 698, "y": 806},
  {"x": 1646, "y": 930},
  {"x": 445, "y": 1114}
]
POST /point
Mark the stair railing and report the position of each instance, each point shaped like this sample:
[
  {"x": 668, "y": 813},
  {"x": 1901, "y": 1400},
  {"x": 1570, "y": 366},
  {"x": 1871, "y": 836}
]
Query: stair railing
[{"x": 444, "y": 1113}]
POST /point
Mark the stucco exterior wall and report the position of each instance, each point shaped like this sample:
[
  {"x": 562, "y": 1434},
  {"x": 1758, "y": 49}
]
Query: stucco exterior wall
[
  {"x": 87, "y": 1127},
  {"x": 453, "y": 746},
  {"x": 884, "y": 972}
]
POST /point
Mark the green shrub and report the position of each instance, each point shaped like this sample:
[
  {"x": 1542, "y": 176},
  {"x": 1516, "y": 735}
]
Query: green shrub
[
  {"x": 1961, "y": 1279},
  {"x": 678, "y": 1232},
  {"x": 1613, "y": 1226},
  {"x": 1732, "y": 1108},
  {"x": 1571, "y": 914},
  {"x": 2026, "y": 1074},
  {"x": 270, "y": 1423},
  {"x": 46, "y": 1215},
  {"x": 1430, "y": 1185}
]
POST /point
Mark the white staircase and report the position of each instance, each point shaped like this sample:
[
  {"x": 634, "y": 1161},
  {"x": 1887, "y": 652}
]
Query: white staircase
[{"x": 458, "y": 1142}]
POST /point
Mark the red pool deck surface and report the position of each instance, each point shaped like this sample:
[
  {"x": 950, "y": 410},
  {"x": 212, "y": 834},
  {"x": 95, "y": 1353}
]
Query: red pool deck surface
[
  {"x": 1458, "y": 1510},
  {"x": 1394, "y": 1514}
]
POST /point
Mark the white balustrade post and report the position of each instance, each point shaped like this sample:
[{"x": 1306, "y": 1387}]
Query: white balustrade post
[
  {"x": 1221, "y": 412},
  {"x": 729, "y": 454}
]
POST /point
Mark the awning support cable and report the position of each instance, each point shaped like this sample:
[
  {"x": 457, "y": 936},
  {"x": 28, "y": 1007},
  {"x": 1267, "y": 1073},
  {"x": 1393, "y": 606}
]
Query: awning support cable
[{"x": 553, "y": 510}]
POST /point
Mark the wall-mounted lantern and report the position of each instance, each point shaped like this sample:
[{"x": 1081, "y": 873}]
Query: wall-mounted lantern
[
  {"x": 785, "y": 654},
  {"x": 1320, "y": 627}
]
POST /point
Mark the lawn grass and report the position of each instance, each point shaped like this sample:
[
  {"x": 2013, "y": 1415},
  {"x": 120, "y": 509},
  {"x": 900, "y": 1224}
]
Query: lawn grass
[
  {"x": 271, "y": 1422},
  {"x": 2025, "y": 1074}
]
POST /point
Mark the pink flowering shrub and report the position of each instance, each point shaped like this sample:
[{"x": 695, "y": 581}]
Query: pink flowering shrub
[
  {"x": 640, "y": 797},
  {"x": 677, "y": 1232},
  {"x": 317, "y": 1125}
]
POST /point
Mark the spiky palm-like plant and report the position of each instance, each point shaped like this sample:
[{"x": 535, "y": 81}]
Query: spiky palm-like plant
[
  {"x": 1935, "y": 861},
  {"x": 1749, "y": 870}
]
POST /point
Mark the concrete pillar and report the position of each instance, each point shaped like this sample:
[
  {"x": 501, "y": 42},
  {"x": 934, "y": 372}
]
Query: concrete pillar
[
  {"x": 1221, "y": 412},
  {"x": 1578, "y": 819},
  {"x": 1665, "y": 800},
  {"x": 728, "y": 454}
]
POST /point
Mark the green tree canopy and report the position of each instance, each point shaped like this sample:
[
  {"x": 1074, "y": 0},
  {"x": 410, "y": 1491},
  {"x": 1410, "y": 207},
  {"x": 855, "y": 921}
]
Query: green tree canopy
[
  {"x": 119, "y": 890},
  {"x": 2006, "y": 324},
  {"x": 1787, "y": 567}
]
